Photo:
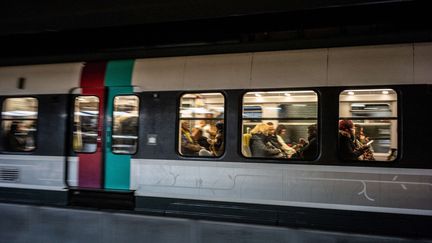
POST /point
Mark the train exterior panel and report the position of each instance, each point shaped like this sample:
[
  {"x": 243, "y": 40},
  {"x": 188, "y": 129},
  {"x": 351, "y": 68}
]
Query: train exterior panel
[{"x": 156, "y": 169}]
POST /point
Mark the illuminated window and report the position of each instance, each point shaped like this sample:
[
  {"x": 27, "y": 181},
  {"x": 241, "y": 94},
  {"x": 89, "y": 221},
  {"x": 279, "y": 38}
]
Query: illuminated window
[
  {"x": 19, "y": 118},
  {"x": 280, "y": 125},
  {"x": 368, "y": 125},
  {"x": 86, "y": 117},
  {"x": 125, "y": 124},
  {"x": 201, "y": 125}
]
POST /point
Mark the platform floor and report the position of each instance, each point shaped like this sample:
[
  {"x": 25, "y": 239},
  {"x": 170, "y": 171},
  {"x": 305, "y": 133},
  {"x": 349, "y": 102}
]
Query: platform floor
[{"x": 34, "y": 224}]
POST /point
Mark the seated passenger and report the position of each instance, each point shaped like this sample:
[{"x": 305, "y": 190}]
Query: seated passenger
[
  {"x": 362, "y": 140},
  {"x": 258, "y": 143},
  {"x": 197, "y": 135},
  {"x": 347, "y": 147},
  {"x": 278, "y": 142},
  {"x": 188, "y": 145},
  {"x": 310, "y": 151},
  {"x": 218, "y": 145},
  {"x": 281, "y": 132},
  {"x": 18, "y": 138}
]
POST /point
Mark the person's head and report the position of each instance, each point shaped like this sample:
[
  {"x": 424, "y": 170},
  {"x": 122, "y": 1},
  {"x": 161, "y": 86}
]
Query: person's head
[
  {"x": 220, "y": 126},
  {"x": 197, "y": 133},
  {"x": 271, "y": 128},
  {"x": 312, "y": 131},
  {"x": 359, "y": 130},
  {"x": 201, "y": 123},
  {"x": 209, "y": 115},
  {"x": 281, "y": 130},
  {"x": 185, "y": 125},
  {"x": 261, "y": 128},
  {"x": 302, "y": 141},
  {"x": 346, "y": 125}
]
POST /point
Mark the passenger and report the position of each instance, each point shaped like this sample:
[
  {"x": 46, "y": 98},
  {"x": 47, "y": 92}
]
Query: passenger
[
  {"x": 278, "y": 142},
  {"x": 197, "y": 135},
  {"x": 218, "y": 145},
  {"x": 188, "y": 145},
  {"x": 310, "y": 151},
  {"x": 258, "y": 143},
  {"x": 16, "y": 139},
  {"x": 362, "y": 140},
  {"x": 347, "y": 147},
  {"x": 281, "y": 131},
  {"x": 209, "y": 129}
]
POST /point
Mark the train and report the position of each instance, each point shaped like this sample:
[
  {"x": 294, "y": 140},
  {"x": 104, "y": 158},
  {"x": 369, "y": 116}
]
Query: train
[{"x": 124, "y": 134}]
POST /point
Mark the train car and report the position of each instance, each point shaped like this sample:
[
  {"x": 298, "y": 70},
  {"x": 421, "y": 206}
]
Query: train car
[{"x": 253, "y": 137}]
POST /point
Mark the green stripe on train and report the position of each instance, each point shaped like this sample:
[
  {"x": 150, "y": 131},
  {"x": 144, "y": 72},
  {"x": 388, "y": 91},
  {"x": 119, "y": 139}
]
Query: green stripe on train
[{"x": 118, "y": 81}]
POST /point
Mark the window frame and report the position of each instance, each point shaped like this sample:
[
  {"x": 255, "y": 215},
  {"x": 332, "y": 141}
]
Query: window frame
[
  {"x": 2, "y": 133},
  {"x": 97, "y": 125},
  {"x": 178, "y": 119},
  {"x": 398, "y": 128},
  {"x": 138, "y": 125},
  {"x": 281, "y": 160}
]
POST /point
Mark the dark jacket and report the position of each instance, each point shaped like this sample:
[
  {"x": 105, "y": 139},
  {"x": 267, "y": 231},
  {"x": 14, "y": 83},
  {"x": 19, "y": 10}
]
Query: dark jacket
[
  {"x": 310, "y": 151},
  {"x": 259, "y": 148},
  {"x": 347, "y": 147}
]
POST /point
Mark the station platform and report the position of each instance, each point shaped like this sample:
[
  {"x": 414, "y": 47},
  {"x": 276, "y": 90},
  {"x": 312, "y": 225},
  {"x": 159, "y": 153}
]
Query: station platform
[{"x": 31, "y": 223}]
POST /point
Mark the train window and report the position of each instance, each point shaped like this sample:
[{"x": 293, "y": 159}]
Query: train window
[
  {"x": 368, "y": 125},
  {"x": 201, "y": 125},
  {"x": 19, "y": 117},
  {"x": 280, "y": 125},
  {"x": 125, "y": 124},
  {"x": 86, "y": 116}
]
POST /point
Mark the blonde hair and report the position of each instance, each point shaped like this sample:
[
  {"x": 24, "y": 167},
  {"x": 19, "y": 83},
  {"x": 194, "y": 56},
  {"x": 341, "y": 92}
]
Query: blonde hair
[{"x": 260, "y": 128}]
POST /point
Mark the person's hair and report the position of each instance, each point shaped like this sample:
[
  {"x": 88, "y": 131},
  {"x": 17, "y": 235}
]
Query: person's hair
[
  {"x": 270, "y": 123},
  {"x": 260, "y": 128},
  {"x": 312, "y": 129},
  {"x": 280, "y": 128},
  {"x": 359, "y": 130},
  {"x": 220, "y": 126},
  {"x": 345, "y": 125}
]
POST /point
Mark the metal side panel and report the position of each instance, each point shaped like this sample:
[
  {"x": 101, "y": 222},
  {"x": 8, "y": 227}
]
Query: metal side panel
[
  {"x": 385, "y": 190},
  {"x": 32, "y": 172}
]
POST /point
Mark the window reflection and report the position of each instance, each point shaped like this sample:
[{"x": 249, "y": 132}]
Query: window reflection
[
  {"x": 280, "y": 124},
  {"x": 201, "y": 128},
  {"x": 86, "y": 115},
  {"x": 368, "y": 125},
  {"x": 19, "y": 118},
  {"x": 125, "y": 124}
]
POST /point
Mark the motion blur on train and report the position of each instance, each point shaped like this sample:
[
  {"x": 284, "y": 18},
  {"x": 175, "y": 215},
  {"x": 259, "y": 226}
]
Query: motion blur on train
[{"x": 295, "y": 137}]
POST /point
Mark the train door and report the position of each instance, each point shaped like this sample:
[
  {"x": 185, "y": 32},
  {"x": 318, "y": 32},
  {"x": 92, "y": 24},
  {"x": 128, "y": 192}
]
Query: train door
[
  {"x": 121, "y": 136},
  {"x": 85, "y": 170},
  {"x": 105, "y": 126},
  {"x": 121, "y": 124}
]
